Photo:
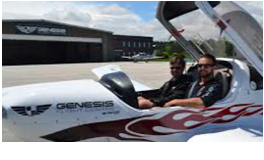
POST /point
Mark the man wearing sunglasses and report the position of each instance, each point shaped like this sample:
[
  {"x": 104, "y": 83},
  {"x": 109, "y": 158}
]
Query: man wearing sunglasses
[
  {"x": 204, "y": 92},
  {"x": 175, "y": 88}
]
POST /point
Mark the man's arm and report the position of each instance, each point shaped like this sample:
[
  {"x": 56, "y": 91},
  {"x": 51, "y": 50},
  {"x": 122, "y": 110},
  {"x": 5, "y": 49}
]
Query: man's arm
[
  {"x": 178, "y": 92},
  {"x": 192, "y": 102}
]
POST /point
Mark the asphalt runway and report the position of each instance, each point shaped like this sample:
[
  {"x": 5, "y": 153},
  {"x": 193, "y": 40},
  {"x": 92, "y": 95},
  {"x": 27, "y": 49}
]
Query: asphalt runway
[{"x": 152, "y": 74}]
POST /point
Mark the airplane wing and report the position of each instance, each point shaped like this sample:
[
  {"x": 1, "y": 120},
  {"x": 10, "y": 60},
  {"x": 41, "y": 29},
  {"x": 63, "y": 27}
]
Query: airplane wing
[
  {"x": 152, "y": 57},
  {"x": 127, "y": 57},
  {"x": 101, "y": 71}
]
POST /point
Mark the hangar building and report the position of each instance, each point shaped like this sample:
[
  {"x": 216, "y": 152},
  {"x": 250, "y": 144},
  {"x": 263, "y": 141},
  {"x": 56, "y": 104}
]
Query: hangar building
[{"x": 49, "y": 42}]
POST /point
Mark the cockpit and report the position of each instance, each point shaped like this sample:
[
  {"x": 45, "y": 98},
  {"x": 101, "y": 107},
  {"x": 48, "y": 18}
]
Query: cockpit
[
  {"x": 120, "y": 84},
  {"x": 200, "y": 35}
]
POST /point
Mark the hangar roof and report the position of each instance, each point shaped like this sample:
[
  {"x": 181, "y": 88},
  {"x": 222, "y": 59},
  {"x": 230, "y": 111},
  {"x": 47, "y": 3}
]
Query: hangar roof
[{"x": 53, "y": 22}]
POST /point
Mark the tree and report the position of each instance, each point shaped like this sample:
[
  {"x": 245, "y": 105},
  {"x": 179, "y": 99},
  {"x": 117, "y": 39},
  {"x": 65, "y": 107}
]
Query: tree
[
  {"x": 229, "y": 49},
  {"x": 221, "y": 48}
]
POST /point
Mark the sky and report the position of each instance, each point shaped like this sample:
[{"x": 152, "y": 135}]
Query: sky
[{"x": 119, "y": 17}]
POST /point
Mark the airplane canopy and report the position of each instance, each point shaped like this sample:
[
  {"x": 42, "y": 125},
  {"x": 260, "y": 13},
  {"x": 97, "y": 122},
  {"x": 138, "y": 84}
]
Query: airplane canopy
[
  {"x": 172, "y": 9},
  {"x": 238, "y": 26}
]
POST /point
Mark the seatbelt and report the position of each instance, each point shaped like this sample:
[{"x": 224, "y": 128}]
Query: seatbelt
[{"x": 191, "y": 90}]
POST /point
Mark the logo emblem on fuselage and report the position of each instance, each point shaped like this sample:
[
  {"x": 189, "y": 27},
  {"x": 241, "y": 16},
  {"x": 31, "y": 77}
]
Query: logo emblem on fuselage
[{"x": 31, "y": 110}]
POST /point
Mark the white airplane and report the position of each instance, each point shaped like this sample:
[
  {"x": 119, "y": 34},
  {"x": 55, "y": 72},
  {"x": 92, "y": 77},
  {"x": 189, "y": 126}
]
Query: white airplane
[
  {"x": 142, "y": 57},
  {"x": 107, "y": 110}
]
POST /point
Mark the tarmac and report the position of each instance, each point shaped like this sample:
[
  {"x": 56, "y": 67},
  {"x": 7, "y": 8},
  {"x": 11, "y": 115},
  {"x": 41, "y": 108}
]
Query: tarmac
[{"x": 152, "y": 74}]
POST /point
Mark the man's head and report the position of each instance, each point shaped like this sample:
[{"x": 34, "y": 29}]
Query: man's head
[
  {"x": 206, "y": 66},
  {"x": 177, "y": 66}
]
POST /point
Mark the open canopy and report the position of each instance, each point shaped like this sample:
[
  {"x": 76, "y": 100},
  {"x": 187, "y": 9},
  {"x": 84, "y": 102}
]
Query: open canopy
[
  {"x": 229, "y": 21},
  {"x": 168, "y": 10},
  {"x": 172, "y": 9}
]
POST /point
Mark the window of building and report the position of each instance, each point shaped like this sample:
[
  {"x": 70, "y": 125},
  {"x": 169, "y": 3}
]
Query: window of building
[
  {"x": 139, "y": 44},
  {"x": 149, "y": 44},
  {"x": 135, "y": 45},
  {"x": 124, "y": 44},
  {"x": 144, "y": 44}
]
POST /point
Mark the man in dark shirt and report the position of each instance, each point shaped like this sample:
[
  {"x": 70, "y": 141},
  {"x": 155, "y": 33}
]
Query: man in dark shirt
[
  {"x": 173, "y": 89},
  {"x": 206, "y": 91}
]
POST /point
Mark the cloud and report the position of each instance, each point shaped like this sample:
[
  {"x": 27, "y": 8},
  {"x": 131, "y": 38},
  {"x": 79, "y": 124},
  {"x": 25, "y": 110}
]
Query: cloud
[
  {"x": 109, "y": 17},
  {"x": 71, "y": 16},
  {"x": 114, "y": 10}
]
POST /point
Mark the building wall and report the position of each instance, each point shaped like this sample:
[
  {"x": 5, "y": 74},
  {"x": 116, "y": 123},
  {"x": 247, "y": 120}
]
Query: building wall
[
  {"x": 28, "y": 51},
  {"x": 65, "y": 50},
  {"x": 131, "y": 45}
]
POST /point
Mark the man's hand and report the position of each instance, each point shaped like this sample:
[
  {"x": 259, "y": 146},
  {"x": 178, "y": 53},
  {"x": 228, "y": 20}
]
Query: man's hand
[
  {"x": 170, "y": 103},
  {"x": 144, "y": 103},
  {"x": 192, "y": 102},
  {"x": 156, "y": 107}
]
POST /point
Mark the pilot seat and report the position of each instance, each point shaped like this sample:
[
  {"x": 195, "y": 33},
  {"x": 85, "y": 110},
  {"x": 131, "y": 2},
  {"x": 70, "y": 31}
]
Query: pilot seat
[{"x": 222, "y": 78}]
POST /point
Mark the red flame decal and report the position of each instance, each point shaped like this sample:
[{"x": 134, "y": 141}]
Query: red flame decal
[
  {"x": 145, "y": 126},
  {"x": 139, "y": 129}
]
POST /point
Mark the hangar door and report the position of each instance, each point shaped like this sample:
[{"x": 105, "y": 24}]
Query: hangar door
[{"x": 17, "y": 52}]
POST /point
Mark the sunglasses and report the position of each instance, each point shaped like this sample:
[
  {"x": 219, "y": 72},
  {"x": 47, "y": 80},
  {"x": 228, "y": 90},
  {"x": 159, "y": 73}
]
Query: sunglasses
[
  {"x": 205, "y": 65},
  {"x": 176, "y": 68}
]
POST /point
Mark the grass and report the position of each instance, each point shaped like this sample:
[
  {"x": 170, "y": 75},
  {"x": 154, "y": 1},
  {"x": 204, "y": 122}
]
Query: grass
[{"x": 160, "y": 60}]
